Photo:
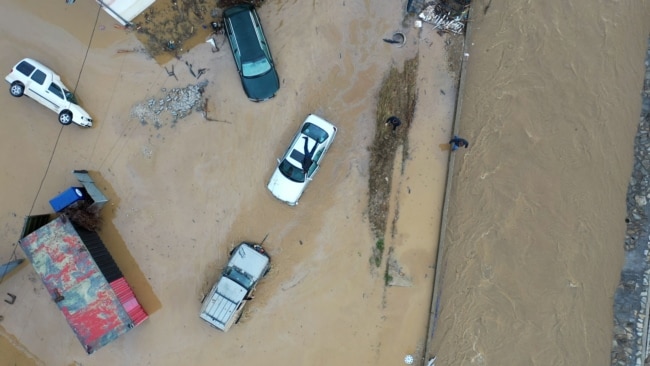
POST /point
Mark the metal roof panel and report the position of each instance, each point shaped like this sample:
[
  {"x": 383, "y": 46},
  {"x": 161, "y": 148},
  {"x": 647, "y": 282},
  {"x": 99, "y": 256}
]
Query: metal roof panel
[{"x": 76, "y": 284}]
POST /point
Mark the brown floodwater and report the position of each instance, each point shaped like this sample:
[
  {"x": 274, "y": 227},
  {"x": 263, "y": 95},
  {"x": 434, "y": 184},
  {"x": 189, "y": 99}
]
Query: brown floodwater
[
  {"x": 551, "y": 104},
  {"x": 536, "y": 216},
  {"x": 183, "y": 194}
]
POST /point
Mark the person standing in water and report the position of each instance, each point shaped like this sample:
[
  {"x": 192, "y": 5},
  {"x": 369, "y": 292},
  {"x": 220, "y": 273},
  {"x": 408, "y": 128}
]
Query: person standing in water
[{"x": 457, "y": 142}]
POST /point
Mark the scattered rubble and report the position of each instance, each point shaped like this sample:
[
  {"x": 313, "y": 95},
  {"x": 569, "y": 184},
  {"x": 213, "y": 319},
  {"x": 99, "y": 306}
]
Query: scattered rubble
[
  {"x": 81, "y": 214},
  {"x": 133, "y": 50},
  {"x": 171, "y": 73},
  {"x": 170, "y": 28},
  {"x": 177, "y": 102},
  {"x": 446, "y": 15},
  {"x": 630, "y": 343}
]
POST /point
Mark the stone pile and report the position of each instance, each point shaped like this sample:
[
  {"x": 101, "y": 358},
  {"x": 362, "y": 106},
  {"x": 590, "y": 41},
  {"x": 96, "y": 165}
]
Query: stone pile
[{"x": 175, "y": 104}]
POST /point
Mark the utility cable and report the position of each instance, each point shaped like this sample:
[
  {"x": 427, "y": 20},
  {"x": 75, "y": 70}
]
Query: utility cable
[{"x": 56, "y": 144}]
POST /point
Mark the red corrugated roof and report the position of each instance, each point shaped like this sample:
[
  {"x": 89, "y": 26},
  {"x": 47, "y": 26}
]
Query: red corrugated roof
[{"x": 128, "y": 300}]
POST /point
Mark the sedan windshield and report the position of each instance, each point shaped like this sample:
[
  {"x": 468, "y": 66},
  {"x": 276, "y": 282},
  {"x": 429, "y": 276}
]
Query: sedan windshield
[
  {"x": 293, "y": 173},
  {"x": 255, "y": 68},
  {"x": 70, "y": 97}
]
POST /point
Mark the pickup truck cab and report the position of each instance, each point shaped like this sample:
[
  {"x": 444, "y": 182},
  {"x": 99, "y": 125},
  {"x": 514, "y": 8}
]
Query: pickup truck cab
[
  {"x": 225, "y": 302},
  {"x": 37, "y": 81}
]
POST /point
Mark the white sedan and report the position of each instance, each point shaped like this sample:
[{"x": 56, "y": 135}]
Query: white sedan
[
  {"x": 301, "y": 161},
  {"x": 37, "y": 81}
]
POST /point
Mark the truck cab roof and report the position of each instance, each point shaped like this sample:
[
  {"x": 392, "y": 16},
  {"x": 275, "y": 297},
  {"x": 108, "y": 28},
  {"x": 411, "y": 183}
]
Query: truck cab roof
[{"x": 249, "y": 260}]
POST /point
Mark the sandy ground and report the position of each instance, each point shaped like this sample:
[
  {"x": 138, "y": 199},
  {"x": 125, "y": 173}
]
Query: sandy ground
[{"x": 182, "y": 195}]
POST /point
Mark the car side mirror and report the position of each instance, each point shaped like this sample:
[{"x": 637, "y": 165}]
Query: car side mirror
[{"x": 278, "y": 160}]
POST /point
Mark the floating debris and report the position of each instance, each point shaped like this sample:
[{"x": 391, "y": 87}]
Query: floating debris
[
  {"x": 171, "y": 73},
  {"x": 11, "y": 300},
  {"x": 446, "y": 16},
  {"x": 189, "y": 65},
  {"x": 204, "y": 111},
  {"x": 398, "y": 38},
  {"x": 132, "y": 50},
  {"x": 213, "y": 42}
]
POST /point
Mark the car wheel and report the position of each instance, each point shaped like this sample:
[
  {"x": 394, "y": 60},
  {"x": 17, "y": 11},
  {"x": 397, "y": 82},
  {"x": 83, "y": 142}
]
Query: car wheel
[
  {"x": 16, "y": 89},
  {"x": 266, "y": 272},
  {"x": 65, "y": 117}
]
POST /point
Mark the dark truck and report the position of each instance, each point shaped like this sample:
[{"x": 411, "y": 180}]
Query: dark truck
[{"x": 223, "y": 306}]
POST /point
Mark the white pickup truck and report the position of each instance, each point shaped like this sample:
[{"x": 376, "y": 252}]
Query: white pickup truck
[{"x": 223, "y": 306}]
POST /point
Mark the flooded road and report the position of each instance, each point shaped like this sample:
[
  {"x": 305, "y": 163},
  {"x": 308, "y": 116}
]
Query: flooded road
[
  {"x": 182, "y": 194},
  {"x": 536, "y": 220}
]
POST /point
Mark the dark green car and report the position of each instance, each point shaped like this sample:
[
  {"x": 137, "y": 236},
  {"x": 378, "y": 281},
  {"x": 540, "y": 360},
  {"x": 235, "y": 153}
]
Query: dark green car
[{"x": 251, "y": 52}]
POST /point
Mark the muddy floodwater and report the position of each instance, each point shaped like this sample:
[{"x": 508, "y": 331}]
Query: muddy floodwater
[
  {"x": 537, "y": 211},
  {"x": 534, "y": 237},
  {"x": 184, "y": 191}
]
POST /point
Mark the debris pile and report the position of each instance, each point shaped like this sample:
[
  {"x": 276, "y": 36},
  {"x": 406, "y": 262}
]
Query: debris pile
[
  {"x": 81, "y": 214},
  {"x": 170, "y": 28},
  {"x": 167, "y": 26},
  {"x": 177, "y": 102},
  {"x": 446, "y": 15}
]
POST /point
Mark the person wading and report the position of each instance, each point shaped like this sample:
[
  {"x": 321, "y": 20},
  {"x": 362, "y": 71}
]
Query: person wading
[{"x": 457, "y": 142}]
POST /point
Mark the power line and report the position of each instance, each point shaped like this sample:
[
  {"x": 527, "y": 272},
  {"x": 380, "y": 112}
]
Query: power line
[{"x": 56, "y": 144}]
